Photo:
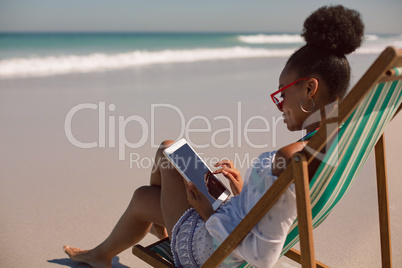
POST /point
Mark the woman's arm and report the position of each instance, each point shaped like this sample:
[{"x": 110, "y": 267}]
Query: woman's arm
[
  {"x": 263, "y": 244},
  {"x": 284, "y": 157},
  {"x": 198, "y": 201},
  {"x": 232, "y": 174}
]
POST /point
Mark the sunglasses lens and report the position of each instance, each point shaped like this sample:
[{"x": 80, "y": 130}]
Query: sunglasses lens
[{"x": 278, "y": 103}]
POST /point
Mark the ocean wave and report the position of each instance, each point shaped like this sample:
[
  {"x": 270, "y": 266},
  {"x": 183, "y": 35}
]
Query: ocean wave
[
  {"x": 287, "y": 38},
  {"x": 376, "y": 46},
  {"x": 271, "y": 39},
  {"x": 48, "y": 66},
  {"x": 372, "y": 37},
  {"x": 59, "y": 65}
]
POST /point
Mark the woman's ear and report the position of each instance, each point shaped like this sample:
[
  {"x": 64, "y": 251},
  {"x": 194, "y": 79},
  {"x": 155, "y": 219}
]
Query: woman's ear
[{"x": 312, "y": 87}]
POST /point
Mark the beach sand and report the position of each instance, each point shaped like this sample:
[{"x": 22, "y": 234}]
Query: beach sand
[{"x": 54, "y": 193}]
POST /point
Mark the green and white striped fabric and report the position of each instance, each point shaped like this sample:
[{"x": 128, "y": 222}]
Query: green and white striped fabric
[
  {"x": 163, "y": 249},
  {"x": 398, "y": 71},
  {"x": 356, "y": 139},
  {"x": 345, "y": 158}
]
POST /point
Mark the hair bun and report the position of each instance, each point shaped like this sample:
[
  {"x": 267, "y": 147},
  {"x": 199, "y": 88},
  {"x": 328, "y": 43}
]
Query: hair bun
[{"x": 335, "y": 29}]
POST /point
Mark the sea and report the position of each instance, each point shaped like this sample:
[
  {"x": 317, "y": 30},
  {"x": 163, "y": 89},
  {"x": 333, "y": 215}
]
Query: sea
[{"x": 48, "y": 54}]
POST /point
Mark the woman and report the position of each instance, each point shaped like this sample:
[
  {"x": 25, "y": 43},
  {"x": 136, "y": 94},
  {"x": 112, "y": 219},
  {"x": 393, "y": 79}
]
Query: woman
[{"x": 316, "y": 75}]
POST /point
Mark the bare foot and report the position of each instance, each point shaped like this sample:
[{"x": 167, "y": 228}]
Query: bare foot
[
  {"x": 86, "y": 256},
  {"x": 159, "y": 231}
]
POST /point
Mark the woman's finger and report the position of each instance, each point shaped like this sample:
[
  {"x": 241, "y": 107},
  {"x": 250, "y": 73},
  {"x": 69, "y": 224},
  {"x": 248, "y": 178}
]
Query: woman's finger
[
  {"x": 230, "y": 174},
  {"x": 196, "y": 193},
  {"x": 224, "y": 170},
  {"x": 227, "y": 163},
  {"x": 193, "y": 188},
  {"x": 189, "y": 192}
]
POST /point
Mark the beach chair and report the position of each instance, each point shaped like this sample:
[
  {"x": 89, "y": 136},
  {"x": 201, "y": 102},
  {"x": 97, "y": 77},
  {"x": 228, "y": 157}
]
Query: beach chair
[{"x": 360, "y": 122}]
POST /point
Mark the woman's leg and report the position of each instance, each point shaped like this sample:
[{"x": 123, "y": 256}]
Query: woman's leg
[
  {"x": 134, "y": 224},
  {"x": 155, "y": 180},
  {"x": 173, "y": 193},
  {"x": 166, "y": 192}
]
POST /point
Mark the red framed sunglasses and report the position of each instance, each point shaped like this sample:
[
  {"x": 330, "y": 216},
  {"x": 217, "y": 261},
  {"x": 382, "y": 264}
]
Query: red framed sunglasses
[{"x": 276, "y": 98}]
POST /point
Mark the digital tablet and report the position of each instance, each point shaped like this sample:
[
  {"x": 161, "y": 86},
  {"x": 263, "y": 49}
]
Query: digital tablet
[{"x": 192, "y": 168}]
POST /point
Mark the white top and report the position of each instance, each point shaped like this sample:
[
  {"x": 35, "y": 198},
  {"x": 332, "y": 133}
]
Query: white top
[{"x": 263, "y": 245}]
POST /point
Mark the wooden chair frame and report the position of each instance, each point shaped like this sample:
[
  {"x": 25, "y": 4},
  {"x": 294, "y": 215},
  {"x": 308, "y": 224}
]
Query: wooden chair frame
[
  {"x": 150, "y": 256},
  {"x": 297, "y": 173}
]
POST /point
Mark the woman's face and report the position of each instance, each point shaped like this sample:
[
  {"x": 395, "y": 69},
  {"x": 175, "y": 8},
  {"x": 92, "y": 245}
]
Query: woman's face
[{"x": 293, "y": 116}]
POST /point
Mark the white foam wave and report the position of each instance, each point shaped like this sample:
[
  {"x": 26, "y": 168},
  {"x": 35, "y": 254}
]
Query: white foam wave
[
  {"x": 271, "y": 39},
  {"x": 372, "y": 37},
  {"x": 379, "y": 45},
  {"x": 47, "y": 66},
  {"x": 58, "y": 65}
]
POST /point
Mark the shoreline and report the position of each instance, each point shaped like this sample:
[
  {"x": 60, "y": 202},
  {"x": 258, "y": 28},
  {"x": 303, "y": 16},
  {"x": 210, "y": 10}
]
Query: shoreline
[{"x": 54, "y": 193}]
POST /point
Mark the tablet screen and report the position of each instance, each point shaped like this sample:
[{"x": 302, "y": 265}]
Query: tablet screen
[{"x": 195, "y": 170}]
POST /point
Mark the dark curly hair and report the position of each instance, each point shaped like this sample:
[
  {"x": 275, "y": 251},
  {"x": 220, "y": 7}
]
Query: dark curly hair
[{"x": 330, "y": 33}]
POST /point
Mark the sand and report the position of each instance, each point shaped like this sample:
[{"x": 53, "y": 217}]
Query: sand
[{"x": 54, "y": 193}]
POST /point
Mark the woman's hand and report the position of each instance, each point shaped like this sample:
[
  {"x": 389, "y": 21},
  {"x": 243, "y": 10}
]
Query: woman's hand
[
  {"x": 232, "y": 174},
  {"x": 198, "y": 201}
]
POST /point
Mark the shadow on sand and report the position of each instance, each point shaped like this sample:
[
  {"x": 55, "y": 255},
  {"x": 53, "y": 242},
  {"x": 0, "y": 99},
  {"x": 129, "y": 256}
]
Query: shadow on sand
[{"x": 73, "y": 264}]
